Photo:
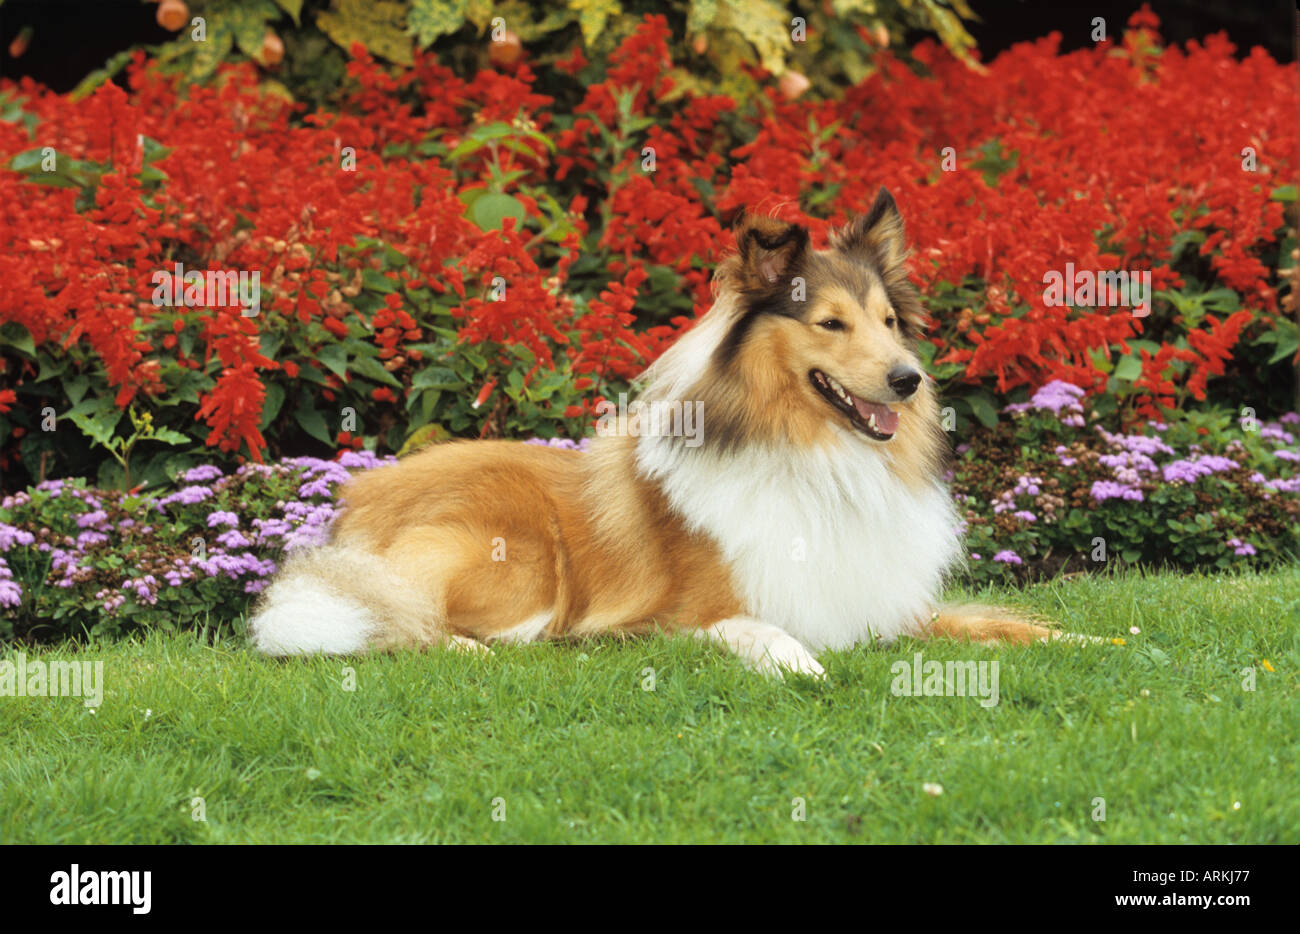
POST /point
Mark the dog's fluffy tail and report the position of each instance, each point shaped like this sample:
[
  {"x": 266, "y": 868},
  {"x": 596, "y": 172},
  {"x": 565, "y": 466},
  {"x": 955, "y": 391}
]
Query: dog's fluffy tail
[
  {"x": 980, "y": 623},
  {"x": 339, "y": 600}
]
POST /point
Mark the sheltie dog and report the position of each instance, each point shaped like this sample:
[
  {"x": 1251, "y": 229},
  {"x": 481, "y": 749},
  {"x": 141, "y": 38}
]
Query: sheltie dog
[{"x": 807, "y": 512}]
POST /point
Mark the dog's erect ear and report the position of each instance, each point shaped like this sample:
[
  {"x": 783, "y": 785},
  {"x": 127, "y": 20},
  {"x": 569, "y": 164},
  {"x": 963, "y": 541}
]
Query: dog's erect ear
[
  {"x": 770, "y": 251},
  {"x": 876, "y": 237}
]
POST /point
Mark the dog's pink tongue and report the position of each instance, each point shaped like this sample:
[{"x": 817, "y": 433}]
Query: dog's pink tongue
[{"x": 886, "y": 418}]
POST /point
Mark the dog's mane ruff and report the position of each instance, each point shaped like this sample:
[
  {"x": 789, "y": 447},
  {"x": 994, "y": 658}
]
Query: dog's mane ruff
[
  {"x": 680, "y": 368},
  {"x": 807, "y": 531}
]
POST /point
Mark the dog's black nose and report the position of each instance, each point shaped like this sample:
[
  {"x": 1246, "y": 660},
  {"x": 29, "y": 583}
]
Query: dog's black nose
[{"x": 903, "y": 380}]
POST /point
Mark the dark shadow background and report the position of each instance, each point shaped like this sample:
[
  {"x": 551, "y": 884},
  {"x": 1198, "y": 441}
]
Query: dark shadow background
[{"x": 73, "y": 37}]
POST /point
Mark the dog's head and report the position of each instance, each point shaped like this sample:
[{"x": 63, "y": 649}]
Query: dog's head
[{"x": 839, "y": 324}]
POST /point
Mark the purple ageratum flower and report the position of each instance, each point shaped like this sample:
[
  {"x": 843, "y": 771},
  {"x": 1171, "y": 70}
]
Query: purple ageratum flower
[
  {"x": 15, "y": 500},
  {"x": 98, "y": 518},
  {"x": 1290, "y": 418},
  {"x": 1136, "y": 444},
  {"x": 1285, "y": 486},
  {"x": 1007, "y": 557},
  {"x": 233, "y": 566},
  {"x": 1133, "y": 462},
  {"x": 312, "y": 488},
  {"x": 12, "y": 535},
  {"x": 1285, "y": 455},
  {"x": 90, "y": 538},
  {"x": 221, "y": 517},
  {"x": 975, "y": 556},
  {"x": 233, "y": 539},
  {"x": 145, "y": 588},
  {"x": 11, "y": 592},
  {"x": 1275, "y": 433},
  {"x": 315, "y": 514},
  {"x": 1103, "y": 490},
  {"x": 364, "y": 460},
  {"x": 306, "y": 536},
  {"x": 1058, "y": 397},
  {"x": 310, "y": 467},
  {"x": 268, "y": 529},
  {"x": 1025, "y": 515},
  {"x": 202, "y": 474},
  {"x": 90, "y": 499},
  {"x": 1241, "y": 548},
  {"x": 1187, "y": 471},
  {"x": 187, "y": 496}
]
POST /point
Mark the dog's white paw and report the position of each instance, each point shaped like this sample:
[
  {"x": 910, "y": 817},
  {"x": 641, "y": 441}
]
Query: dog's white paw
[
  {"x": 788, "y": 655},
  {"x": 764, "y": 647}
]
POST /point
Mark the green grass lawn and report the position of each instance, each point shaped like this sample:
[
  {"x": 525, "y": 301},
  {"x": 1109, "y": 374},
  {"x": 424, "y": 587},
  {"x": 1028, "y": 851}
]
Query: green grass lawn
[{"x": 572, "y": 747}]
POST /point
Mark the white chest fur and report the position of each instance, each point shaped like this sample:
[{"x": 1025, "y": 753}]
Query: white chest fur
[{"x": 827, "y": 543}]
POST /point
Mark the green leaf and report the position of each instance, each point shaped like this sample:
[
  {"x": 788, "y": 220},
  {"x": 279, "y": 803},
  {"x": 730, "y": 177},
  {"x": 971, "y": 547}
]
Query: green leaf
[
  {"x": 246, "y": 21},
  {"x": 371, "y": 368},
  {"x": 92, "y": 81},
  {"x": 14, "y": 334},
  {"x": 983, "y": 408},
  {"x": 379, "y": 25},
  {"x": 490, "y": 211},
  {"x": 293, "y": 8},
  {"x": 437, "y": 377},
  {"x": 1128, "y": 368},
  {"x": 168, "y": 436},
  {"x": 212, "y": 51},
  {"x": 765, "y": 24},
  {"x": 335, "y": 358},
  {"x": 1100, "y": 357},
  {"x": 429, "y": 434},
  {"x": 98, "y": 427},
  {"x": 701, "y": 16},
  {"x": 426, "y": 20},
  {"x": 271, "y": 405},
  {"x": 75, "y": 388},
  {"x": 313, "y": 423},
  {"x": 375, "y": 280},
  {"x": 1285, "y": 193},
  {"x": 593, "y": 15}
]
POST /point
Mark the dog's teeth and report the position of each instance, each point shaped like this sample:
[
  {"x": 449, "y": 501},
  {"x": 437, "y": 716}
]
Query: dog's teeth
[{"x": 871, "y": 421}]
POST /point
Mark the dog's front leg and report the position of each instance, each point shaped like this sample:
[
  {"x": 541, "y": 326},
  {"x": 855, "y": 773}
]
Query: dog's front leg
[{"x": 763, "y": 647}]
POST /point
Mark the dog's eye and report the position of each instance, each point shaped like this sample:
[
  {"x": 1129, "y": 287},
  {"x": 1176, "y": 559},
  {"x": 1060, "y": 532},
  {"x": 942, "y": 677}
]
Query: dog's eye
[
  {"x": 831, "y": 324},
  {"x": 891, "y": 322}
]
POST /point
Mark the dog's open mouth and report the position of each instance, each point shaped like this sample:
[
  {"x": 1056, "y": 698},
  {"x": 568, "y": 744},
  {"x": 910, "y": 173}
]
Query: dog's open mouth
[{"x": 873, "y": 419}]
